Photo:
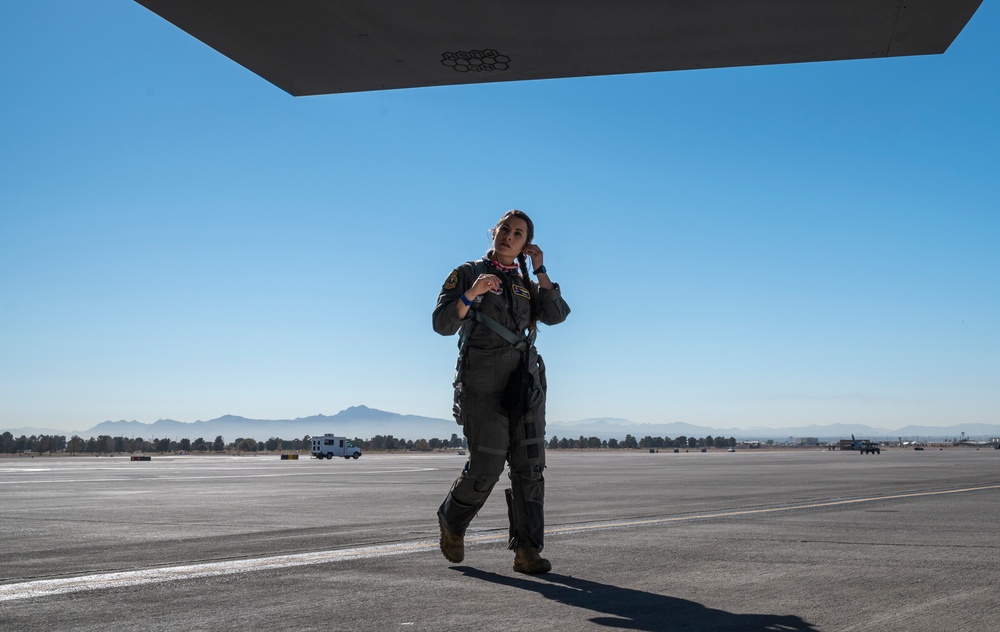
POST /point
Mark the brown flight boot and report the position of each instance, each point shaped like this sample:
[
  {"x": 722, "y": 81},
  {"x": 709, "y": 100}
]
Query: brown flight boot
[
  {"x": 527, "y": 560},
  {"x": 453, "y": 546}
]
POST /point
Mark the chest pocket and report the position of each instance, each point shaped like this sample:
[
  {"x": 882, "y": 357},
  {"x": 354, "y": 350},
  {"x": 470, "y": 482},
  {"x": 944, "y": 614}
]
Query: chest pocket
[
  {"x": 520, "y": 300},
  {"x": 515, "y": 290}
]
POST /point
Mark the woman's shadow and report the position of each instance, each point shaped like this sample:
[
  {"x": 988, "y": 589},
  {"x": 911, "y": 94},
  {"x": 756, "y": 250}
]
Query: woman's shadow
[{"x": 638, "y": 610}]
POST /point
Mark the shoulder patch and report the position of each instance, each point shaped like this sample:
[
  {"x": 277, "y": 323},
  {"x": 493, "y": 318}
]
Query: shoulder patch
[
  {"x": 520, "y": 291},
  {"x": 451, "y": 282}
]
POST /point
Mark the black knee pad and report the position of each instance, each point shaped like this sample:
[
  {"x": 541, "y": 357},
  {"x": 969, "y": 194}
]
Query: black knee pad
[{"x": 484, "y": 484}]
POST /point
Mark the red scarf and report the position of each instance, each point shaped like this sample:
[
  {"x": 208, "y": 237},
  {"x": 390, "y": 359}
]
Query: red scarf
[{"x": 501, "y": 267}]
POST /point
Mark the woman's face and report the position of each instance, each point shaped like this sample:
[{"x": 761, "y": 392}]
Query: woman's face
[{"x": 509, "y": 239}]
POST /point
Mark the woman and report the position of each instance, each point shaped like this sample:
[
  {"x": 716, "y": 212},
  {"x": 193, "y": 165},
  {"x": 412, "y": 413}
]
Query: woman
[{"x": 493, "y": 303}]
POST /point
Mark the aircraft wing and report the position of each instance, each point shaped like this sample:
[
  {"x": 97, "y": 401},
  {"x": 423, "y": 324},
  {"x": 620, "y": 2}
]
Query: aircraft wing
[{"x": 309, "y": 47}]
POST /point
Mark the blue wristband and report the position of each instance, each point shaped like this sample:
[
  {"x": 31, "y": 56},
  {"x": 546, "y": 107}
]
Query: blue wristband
[
  {"x": 467, "y": 302},
  {"x": 540, "y": 270}
]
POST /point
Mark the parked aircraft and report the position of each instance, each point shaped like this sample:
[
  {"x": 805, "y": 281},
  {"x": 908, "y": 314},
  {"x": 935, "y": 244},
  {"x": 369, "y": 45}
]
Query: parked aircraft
[{"x": 309, "y": 47}]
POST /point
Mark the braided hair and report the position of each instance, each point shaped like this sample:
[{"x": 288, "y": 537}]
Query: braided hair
[{"x": 522, "y": 259}]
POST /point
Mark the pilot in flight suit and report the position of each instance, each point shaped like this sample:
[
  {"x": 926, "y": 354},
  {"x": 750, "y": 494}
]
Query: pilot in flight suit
[{"x": 486, "y": 364}]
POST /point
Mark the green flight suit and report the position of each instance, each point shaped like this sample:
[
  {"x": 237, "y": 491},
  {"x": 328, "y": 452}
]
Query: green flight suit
[{"x": 493, "y": 438}]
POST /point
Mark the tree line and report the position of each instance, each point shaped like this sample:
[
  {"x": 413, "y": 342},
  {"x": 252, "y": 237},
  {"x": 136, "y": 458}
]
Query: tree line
[
  {"x": 630, "y": 443},
  {"x": 106, "y": 444}
]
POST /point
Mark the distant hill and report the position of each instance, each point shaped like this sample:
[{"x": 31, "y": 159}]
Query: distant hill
[
  {"x": 364, "y": 422},
  {"x": 356, "y": 421}
]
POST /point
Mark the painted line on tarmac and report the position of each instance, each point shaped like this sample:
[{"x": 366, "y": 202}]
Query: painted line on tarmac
[
  {"x": 153, "y": 477},
  {"x": 125, "y": 579},
  {"x": 148, "y": 479},
  {"x": 642, "y": 522}
]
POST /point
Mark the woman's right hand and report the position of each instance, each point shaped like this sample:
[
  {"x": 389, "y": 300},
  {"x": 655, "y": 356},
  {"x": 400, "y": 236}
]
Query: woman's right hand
[
  {"x": 485, "y": 283},
  {"x": 482, "y": 285}
]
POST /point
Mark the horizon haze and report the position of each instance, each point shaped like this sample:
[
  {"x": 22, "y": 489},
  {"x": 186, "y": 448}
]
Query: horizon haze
[{"x": 364, "y": 423}]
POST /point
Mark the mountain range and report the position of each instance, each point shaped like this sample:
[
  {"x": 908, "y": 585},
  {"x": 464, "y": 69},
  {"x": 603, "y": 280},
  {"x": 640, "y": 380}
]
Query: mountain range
[{"x": 364, "y": 422}]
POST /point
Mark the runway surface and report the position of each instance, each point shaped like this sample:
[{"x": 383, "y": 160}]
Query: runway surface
[{"x": 752, "y": 540}]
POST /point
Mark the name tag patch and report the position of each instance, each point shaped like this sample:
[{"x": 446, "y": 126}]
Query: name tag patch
[{"x": 520, "y": 291}]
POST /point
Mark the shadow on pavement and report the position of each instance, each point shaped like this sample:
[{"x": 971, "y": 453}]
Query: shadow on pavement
[{"x": 638, "y": 610}]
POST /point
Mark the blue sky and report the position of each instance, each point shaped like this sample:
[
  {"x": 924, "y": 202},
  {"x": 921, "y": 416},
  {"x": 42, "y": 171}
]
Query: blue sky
[{"x": 768, "y": 246}]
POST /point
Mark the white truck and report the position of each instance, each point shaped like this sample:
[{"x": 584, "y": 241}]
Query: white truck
[{"x": 329, "y": 446}]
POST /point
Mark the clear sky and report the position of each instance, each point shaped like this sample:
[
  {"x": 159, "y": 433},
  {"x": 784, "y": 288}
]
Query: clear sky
[{"x": 767, "y": 246}]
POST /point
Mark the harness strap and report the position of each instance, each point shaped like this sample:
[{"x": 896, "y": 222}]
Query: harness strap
[
  {"x": 519, "y": 343},
  {"x": 480, "y": 448},
  {"x": 524, "y": 442}
]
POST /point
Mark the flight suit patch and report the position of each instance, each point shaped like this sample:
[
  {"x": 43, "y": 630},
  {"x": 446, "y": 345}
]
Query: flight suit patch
[
  {"x": 520, "y": 291},
  {"x": 452, "y": 282}
]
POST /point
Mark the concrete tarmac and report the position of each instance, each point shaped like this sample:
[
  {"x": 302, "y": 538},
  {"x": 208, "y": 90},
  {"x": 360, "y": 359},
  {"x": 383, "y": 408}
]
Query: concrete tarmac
[{"x": 806, "y": 540}]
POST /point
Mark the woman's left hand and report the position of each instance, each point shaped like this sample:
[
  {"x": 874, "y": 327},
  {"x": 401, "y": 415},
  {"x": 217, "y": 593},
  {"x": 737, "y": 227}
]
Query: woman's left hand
[{"x": 535, "y": 253}]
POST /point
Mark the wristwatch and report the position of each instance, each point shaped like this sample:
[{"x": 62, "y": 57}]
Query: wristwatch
[{"x": 539, "y": 270}]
